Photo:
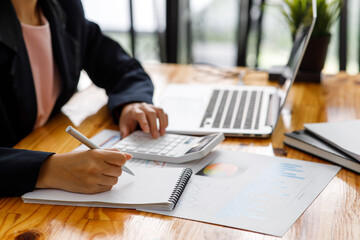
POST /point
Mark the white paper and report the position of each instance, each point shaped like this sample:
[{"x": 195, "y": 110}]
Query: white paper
[
  {"x": 256, "y": 192},
  {"x": 261, "y": 193}
]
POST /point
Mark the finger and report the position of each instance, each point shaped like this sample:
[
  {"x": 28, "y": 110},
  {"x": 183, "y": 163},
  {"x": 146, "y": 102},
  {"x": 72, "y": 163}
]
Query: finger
[
  {"x": 103, "y": 188},
  {"x": 128, "y": 155},
  {"x": 151, "y": 117},
  {"x": 109, "y": 156},
  {"x": 167, "y": 119},
  {"x": 97, "y": 189},
  {"x": 112, "y": 171},
  {"x": 108, "y": 180},
  {"x": 124, "y": 130},
  {"x": 162, "y": 120},
  {"x": 127, "y": 126},
  {"x": 140, "y": 117}
]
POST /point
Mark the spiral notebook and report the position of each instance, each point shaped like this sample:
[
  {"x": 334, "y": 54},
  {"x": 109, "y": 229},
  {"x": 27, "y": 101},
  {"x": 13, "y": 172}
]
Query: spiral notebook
[{"x": 149, "y": 189}]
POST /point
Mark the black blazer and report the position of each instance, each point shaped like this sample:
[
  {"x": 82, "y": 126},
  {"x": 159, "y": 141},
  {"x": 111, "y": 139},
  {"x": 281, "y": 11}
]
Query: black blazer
[{"x": 77, "y": 44}]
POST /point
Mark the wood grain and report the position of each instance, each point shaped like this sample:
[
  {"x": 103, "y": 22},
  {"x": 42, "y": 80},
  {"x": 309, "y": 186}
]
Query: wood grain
[{"x": 335, "y": 213}]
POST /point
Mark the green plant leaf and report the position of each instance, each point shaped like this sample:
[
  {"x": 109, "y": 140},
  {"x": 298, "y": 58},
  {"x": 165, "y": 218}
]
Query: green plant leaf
[{"x": 298, "y": 12}]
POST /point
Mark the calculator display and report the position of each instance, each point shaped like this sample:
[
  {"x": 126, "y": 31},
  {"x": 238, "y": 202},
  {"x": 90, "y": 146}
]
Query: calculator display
[{"x": 200, "y": 145}]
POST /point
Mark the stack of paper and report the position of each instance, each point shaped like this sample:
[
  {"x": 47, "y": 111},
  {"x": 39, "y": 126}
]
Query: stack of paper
[{"x": 335, "y": 142}]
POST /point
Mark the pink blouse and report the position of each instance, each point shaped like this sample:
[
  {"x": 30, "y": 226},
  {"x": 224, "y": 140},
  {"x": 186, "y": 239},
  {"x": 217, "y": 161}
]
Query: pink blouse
[{"x": 45, "y": 74}]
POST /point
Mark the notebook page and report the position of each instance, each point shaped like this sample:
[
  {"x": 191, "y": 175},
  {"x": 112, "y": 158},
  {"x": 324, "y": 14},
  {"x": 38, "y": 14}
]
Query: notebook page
[{"x": 146, "y": 187}]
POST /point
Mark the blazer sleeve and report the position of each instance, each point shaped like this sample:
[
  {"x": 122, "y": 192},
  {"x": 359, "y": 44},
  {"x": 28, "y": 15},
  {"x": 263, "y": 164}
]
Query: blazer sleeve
[
  {"x": 111, "y": 68},
  {"x": 19, "y": 170}
]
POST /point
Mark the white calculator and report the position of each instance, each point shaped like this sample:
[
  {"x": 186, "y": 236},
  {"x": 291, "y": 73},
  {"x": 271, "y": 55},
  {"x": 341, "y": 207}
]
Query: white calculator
[{"x": 172, "y": 148}]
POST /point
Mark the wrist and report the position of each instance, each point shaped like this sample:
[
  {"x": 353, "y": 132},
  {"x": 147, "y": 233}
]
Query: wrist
[{"x": 46, "y": 175}]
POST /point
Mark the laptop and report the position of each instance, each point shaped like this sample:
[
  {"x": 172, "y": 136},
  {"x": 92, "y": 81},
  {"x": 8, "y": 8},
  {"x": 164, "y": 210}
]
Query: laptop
[{"x": 241, "y": 111}]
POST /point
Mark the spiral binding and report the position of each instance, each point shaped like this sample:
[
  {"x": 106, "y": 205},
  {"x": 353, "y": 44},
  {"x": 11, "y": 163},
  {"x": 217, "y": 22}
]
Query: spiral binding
[{"x": 180, "y": 186}]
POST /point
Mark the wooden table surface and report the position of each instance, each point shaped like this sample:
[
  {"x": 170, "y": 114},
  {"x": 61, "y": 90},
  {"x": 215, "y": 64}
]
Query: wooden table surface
[{"x": 335, "y": 213}]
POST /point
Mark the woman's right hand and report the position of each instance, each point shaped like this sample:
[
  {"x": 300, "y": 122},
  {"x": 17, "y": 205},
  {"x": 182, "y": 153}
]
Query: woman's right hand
[{"x": 91, "y": 171}]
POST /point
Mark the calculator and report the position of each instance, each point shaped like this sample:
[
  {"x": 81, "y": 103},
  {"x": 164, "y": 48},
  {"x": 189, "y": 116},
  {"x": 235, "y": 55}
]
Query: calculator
[{"x": 172, "y": 148}]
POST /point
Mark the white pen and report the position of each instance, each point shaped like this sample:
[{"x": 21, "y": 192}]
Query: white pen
[{"x": 76, "y": 134}]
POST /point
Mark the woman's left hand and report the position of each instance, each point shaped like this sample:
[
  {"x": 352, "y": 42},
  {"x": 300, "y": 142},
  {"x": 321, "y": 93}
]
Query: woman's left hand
[{"x": 146, "y": 116}]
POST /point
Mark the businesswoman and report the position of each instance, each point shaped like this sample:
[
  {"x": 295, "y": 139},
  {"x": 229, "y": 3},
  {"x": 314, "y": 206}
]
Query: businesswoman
[{"x": 44, "y": 44}]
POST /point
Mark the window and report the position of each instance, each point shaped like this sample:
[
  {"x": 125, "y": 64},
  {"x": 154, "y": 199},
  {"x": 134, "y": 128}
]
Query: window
[{"x": 113, "y": 16}]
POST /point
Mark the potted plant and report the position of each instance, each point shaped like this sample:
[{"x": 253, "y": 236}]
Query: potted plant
[{"x": 328, "y": 11}]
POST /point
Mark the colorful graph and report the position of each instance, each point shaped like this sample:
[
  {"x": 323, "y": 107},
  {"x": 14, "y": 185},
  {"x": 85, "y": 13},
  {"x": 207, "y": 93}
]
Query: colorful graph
[
  {"x": 110, "y": 142},
  {"x": 219, "y": 170}
]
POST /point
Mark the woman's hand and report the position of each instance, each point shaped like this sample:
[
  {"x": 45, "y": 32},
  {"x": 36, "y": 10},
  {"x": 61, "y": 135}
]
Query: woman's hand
[
  {"x": 146, "y": 116},
  {"x": 91, "y": 171}
]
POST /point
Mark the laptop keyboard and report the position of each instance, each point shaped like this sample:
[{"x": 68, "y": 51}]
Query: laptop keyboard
[{"x": 233, "y": 109}]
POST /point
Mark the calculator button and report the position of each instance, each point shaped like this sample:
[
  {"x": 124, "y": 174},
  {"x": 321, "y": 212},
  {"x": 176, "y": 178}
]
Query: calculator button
[
  {"x": 164, "y": 152},
  {"x": 154, "y": 150},
  {"x": 120, "y": 146},
  {"x": 142, "y": 149},
  {"x": 130, "y": 148}
]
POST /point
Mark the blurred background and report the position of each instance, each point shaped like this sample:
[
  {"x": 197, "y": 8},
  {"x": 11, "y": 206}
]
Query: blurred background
[{"x": 222, "y": 33}]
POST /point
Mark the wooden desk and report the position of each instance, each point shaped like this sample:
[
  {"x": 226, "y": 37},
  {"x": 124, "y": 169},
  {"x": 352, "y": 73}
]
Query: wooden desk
[{"x": 335, "y": 214}]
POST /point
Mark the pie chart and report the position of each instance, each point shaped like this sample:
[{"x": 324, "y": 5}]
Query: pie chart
[{"x": 219, "y": 170}]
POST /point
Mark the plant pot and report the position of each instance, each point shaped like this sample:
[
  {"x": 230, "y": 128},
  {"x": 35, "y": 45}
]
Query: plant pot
[
  {"x": 315, "y": 54},
  {"x": 314, "y": 59}
]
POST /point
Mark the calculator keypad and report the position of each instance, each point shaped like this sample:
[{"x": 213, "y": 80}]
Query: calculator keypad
[{"x": 167, "y": 145}]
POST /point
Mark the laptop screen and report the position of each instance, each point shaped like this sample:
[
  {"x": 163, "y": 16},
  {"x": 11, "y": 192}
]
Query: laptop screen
[{"x": 301, "y": 40}]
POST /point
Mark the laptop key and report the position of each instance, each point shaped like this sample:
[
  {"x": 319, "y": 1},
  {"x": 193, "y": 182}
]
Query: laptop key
[
  {"x": 220, "y": 110},
  {"x": 210, "y": 108},
  {"x": 250, "y": 114},
  {"x": 259, "y": 111},
  {"x": 230, "y": 111},
  {"x": 240, "y": 112}
]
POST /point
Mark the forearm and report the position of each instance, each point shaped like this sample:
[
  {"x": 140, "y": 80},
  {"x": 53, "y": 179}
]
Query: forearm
[
  {"x": 19, "y": 170},
  {"x": 111, "y": 68}
]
